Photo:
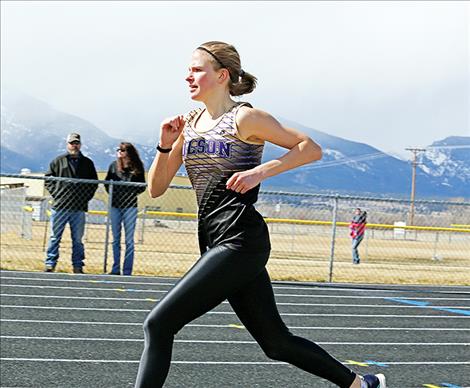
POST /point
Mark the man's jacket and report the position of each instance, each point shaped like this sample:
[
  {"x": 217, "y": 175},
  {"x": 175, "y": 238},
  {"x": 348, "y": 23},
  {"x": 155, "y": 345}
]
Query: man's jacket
[{"x": 71, "y": 195}]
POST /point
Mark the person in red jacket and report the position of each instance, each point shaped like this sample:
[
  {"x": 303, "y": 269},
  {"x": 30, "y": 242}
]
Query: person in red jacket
[{"x": 357, "y": 229}]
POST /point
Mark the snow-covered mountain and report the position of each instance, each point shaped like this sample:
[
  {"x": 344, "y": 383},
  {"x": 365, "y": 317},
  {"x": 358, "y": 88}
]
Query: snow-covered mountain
[
  {"x": 33, "y": 133},
  {"x": 448, "y": 159},
  {"x": 34, "y": 130},
  {"x": 353, "y": 167}
]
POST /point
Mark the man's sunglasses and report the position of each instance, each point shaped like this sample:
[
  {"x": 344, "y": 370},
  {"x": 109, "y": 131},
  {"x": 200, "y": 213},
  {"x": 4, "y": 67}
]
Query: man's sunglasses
[{"x": 75, "y": 142}]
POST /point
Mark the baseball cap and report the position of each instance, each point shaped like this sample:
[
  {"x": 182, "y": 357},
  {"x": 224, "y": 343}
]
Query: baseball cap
[{"x": 73, "y": 137}]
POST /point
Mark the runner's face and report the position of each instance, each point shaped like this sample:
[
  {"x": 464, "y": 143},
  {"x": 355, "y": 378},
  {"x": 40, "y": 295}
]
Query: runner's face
[{"x": 202, "y": 78}]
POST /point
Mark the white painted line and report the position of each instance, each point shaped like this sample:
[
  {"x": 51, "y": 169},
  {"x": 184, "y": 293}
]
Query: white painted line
[
  {"x": 419, "y": 287},
  {"x": 230, "y": 342},
  {"x": 88, "y": 339},
  {"x": 365, "y": 297},
  {"x": 51, "y": 274},
  {"x": 306, "y": 285},
  {"x": 285, "y": 287},
  {"x": 427, "y": 362},
  {"x": 433, "y": 307},
  {"x": 90, "y": 281},
  {"x": 371, "y": 288},
  {"x": 304, "y": 288},
  {"x": 151, "y": 300},
  {"x": 133, "y": 361},
  {"x": 96, "y": 298},
  {"x": 165, "y": 291},
  {"x": 83, "y": 288},
  {"x": 228, "y": 326},
  {"x": 52, "y": 360},
  {"x": 284, "y": 363},
  {"x": 117, "y": 310},
  {"x": 80, "y": 322}
]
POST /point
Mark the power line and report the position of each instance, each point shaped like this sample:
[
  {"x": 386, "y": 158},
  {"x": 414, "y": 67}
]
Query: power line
[
  {"x": 449, "y": 147},
  {"x": 414, "y": 164},
  {"x": 346, "y": 160}
]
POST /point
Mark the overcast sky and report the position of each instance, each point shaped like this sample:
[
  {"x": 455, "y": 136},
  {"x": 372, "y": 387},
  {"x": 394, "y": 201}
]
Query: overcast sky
[{"x": 390, "y": 74}]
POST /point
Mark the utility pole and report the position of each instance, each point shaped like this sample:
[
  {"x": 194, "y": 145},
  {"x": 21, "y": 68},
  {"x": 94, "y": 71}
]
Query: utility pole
[{"x": 414, "y": 163}]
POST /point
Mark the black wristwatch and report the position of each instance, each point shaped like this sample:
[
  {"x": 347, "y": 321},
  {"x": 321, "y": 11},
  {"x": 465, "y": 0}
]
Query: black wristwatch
[{"x": 163, "y": 150}]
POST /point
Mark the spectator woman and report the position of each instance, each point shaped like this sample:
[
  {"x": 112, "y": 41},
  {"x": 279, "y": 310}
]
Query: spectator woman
[{"x": 127, "y": 167}]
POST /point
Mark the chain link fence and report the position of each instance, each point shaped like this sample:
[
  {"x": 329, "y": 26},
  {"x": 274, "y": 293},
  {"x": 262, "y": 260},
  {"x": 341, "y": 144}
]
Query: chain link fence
[{"x": 310, "y": 233}]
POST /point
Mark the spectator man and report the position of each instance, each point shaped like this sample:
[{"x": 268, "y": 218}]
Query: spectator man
[
  {"x": 357, "y": 229},
  {"x": 70, "y": 201}
]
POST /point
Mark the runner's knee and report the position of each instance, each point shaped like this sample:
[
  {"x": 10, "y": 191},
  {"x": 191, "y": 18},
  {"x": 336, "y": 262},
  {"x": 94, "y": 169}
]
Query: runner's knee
[
  {"x": 158, "y": 323},
  {"x": 276, "y": 347}
]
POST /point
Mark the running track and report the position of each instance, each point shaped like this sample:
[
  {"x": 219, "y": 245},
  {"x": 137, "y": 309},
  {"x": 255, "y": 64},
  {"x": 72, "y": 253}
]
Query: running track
[{"x": 61, "y": 330}]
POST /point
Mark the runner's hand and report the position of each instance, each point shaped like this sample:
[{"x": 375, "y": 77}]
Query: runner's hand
[
  {"x": 170, "y": 129},
  {"x": 241, "y": 182}
]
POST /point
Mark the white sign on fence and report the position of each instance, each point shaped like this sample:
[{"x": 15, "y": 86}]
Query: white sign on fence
[{"x": 397, "y": 231}]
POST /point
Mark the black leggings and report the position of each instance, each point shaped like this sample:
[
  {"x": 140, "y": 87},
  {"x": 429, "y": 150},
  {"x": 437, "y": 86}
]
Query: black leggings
[{"x": 223, "y": 273}]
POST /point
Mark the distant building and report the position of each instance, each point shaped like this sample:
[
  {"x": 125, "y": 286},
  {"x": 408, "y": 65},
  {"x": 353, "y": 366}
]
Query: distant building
[{"x": 174, "y": 200}]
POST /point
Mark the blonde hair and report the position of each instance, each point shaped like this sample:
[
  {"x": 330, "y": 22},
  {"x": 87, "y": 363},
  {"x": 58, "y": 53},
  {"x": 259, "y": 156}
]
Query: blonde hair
[{"x": 225, "y": 56}]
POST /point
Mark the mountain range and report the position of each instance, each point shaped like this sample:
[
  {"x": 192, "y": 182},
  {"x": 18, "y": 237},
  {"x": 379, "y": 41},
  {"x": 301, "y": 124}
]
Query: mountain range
[{"x": 33, "y": 133}]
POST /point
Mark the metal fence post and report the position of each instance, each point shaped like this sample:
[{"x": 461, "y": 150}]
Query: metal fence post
[
  {"x": 46, "y": 229},
  {"x": 108, "y": 222},
  {"x": 142, "y": 228},
  {"x": 333, "y": 238},
  {"x": 26, "y": 223},
  {"x": 436, "y": 240},
  {"x": 367, "y": 245},
  {"x": 292, "y": 240}
]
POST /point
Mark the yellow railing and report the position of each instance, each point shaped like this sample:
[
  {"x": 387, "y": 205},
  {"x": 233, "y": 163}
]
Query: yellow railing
[
  {"x": 455, "y": 227},
  {"x": 460, "y": 229}
]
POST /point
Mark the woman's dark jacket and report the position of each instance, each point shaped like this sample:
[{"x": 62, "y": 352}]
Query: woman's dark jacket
[{"x": 124, "y": 196}]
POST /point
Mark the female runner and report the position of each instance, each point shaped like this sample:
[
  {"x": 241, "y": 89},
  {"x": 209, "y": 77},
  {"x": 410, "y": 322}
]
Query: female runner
[{"x": 221, "y": 146}]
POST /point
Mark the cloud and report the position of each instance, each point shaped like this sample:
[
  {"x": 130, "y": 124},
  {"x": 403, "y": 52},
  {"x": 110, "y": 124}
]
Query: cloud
[{"x": 391, "y": 74}]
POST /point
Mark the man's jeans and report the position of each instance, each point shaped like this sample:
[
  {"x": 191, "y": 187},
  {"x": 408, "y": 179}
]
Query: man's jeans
[
  {"x": 355, "y": 252},
  {"x": 128, "y": 218},
  {"x": 59, "y": 219}
]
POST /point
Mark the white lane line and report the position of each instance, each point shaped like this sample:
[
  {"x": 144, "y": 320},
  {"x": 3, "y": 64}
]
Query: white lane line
[
  {"x": 89, "y": 281},
  {"x": 80, "y": 308},
  {"x": 366, "y": 297},
  {"x": 231, "y": 342},
  {"x": 94, "y": 298},
  {"x": 165, "y": 291},
  {"x": 233, "y": 313},
  {"x": 70, "y": 275},
  {"x": 284, "y": 284},
  {"x": 52, "y": 360},
  {"x": 304, "y": 288},
  {"x": 229, "y": 326},
  {"x": 284, "y": 363},
  {"x": 151, "y": 300},
  {"x": 82, "y": 322},
  {"x": 84, "y": 288}
]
